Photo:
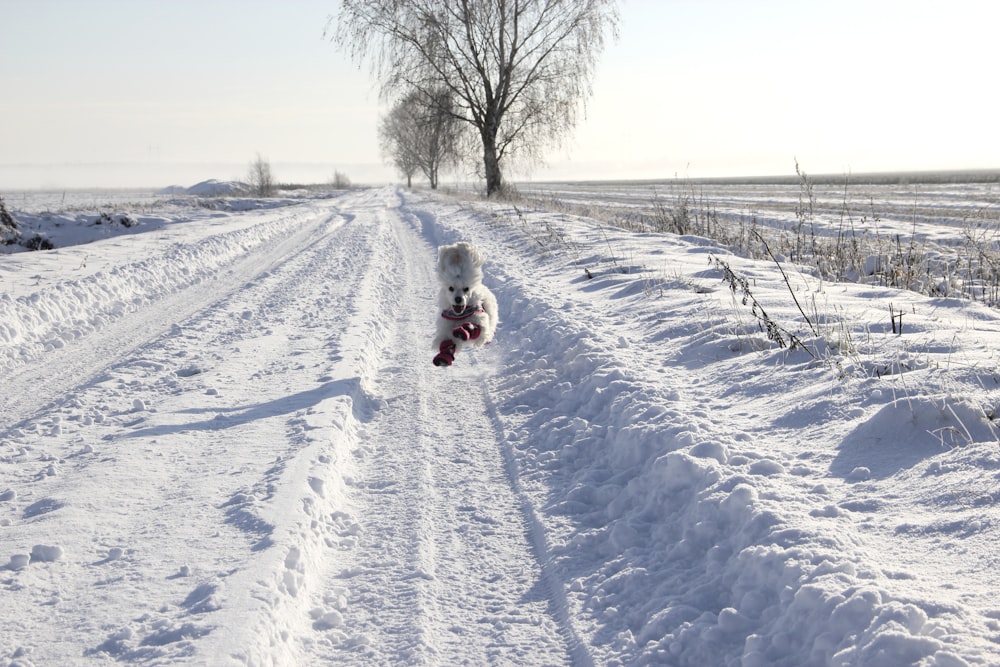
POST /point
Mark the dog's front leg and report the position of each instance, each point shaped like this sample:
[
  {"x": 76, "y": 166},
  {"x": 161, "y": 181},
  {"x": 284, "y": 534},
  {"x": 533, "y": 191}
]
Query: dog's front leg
[
  {"x": 467, "y": 332},
  {"x": 446, "y": 353}
]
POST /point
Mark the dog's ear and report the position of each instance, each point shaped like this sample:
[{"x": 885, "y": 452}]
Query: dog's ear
[
  {"x": 442, "y": 253},
  {"x": 460, "y": 260},
  {"x": 472, "y": 253},
  {"x": 449, "y": 262}
]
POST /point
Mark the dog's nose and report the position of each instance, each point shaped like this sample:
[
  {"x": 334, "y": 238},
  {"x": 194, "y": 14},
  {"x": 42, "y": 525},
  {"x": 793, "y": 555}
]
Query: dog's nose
[{"x": 458, "y": 299}]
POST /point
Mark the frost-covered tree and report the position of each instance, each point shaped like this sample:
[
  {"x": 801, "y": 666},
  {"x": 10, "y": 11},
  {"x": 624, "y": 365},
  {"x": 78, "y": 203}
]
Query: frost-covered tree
[
  {"x": 516, "y": 70},
  {"x": 259, "y": 178},
  {"x": 421, "y": 133},
  {"x": 340, "y": 180},
  {"x": 397, "y": 134}
]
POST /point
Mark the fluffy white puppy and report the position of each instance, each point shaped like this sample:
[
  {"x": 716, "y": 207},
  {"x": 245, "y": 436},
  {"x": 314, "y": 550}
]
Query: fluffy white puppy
[{"x": 468, "y": 308}]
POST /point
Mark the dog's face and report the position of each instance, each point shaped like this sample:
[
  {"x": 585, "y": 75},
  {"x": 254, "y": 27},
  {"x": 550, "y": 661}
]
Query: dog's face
[
  {"x": 459, "y": 272},
  {"x": 457, "y": 294}
]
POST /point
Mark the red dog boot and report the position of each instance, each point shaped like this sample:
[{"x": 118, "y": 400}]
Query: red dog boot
[
  {"x": 446, "y": 355},
  {"x": 467, "y": 331}
]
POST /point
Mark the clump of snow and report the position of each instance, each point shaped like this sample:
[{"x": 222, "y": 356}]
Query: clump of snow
[
  {"x": 19, "y": 561},
  {"x": 43, "y": 553}
]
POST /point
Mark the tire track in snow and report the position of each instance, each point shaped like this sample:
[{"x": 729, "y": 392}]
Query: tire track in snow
[
  {"x": 271, "y": 618},
  {"x": 540, "y": 544},
  {"x": 74, "y": 362},
  {"x": 223, "y": 479},
  {"x": 439, "y": 569}
]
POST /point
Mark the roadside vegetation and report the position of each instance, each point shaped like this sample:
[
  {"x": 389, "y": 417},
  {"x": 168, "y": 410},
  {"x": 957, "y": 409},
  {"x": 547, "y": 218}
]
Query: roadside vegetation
[
  {"x": 936, "y": 235},
  {"x": 849, "y": 241},
  {"x": 8, "y": 226}
]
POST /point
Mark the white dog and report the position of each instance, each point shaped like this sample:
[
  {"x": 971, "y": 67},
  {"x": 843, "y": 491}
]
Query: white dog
[{"x": 468, "y": 308}]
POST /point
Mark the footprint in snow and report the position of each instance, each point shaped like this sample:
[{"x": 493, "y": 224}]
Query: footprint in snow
[
  {"x": 114, "y": 553},
  {"x": 43, "y": 506}
]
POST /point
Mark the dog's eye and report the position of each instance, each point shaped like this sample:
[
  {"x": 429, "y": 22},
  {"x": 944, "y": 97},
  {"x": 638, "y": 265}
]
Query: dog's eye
[
  {"x": 450, "y": 288},
  {"x": 465, "y": 289}
]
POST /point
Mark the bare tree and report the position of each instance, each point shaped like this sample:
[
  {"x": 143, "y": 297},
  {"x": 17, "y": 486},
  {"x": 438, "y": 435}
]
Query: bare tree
[
  {"x": 340, "y": 180},
  {"x": 259, "y": 178},
  {"x": 440, "y": 134},
  {"x": 397, "y": 133},
  {"x": 517, "y": 69},
  {"x": 421, "y": 133}
]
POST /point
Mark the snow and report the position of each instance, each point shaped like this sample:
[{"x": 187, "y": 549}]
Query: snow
[
  {"x": 216, "y": 188},
  {"x": 223, "y": 442}
]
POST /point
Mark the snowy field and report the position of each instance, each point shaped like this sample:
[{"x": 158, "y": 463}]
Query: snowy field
[
  {"x": 940, "y": 235},
  {"x": 222, "y": 442},
  {"x": 837, "y": 203}
]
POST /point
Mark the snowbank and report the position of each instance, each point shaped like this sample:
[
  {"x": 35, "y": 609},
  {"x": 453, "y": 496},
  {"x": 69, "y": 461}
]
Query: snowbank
[
  {"x": 215, "y": 188},
  {"x": 55, "y": 313},
  {"x": 687, "y": 532}
]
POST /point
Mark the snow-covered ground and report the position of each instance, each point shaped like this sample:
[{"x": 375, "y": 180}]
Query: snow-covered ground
[{"x": 222, "y": 441}]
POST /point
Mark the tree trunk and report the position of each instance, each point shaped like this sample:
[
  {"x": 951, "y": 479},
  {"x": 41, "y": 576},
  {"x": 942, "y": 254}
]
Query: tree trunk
[
  {"x": 409, "y": 182},
  {"x": 491, "y": 164}
]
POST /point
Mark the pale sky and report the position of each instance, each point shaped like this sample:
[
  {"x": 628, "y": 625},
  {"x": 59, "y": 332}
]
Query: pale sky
[{"x": 150, "y": 93}]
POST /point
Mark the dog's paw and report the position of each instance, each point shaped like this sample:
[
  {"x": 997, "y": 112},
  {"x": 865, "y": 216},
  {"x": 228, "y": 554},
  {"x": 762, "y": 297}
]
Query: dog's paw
[
  {"x": 446, "y": 355},
  {"x": 467, "y": 332}
]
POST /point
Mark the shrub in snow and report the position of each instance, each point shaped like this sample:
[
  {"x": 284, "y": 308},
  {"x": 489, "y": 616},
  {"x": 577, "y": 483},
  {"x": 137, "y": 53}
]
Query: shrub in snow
[
  {"x": 38, "y": 242},
  {"x": 740, "y": 287},
  {"x": 106, "y": 218},
  {"x": 8, "y": 227}
]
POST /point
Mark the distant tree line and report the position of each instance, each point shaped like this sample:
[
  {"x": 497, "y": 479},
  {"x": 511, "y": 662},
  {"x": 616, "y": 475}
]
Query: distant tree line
[{"x": 261, "y": 181}]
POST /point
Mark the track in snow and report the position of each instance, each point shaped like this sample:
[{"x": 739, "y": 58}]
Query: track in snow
[
  {"x": 270, "y": 471},
  {"x": 437, "y": 567}
]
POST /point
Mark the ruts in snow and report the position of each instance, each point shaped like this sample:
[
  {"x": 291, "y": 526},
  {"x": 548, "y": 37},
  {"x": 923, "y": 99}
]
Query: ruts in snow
[{"x": 263, "y": 467}]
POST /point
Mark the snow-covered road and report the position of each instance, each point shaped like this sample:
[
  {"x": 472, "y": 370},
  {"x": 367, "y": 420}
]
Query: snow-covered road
[
  {"x": 226, "y": 444},
  {"x": 280, "y": 473}
]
